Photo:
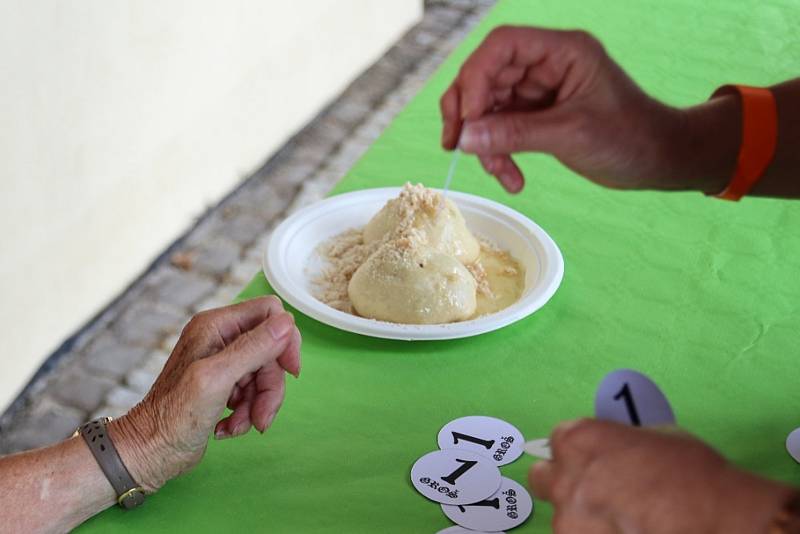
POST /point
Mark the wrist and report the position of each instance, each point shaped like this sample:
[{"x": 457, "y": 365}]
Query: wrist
[
  {"x": 142, "y": 452},
  {"x": 706, "y": 145},
  {"x": 748, "y": 503}
]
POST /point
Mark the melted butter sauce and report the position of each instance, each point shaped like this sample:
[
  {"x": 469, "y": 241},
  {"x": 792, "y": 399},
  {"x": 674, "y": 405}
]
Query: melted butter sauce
[{"x": 506, "y": 278}]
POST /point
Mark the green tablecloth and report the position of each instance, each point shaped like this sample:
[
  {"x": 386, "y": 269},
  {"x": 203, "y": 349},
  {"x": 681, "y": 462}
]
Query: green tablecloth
[{"x": 702, "y": 295}]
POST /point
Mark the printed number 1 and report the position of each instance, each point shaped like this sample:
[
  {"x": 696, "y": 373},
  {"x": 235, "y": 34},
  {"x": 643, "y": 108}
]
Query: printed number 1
[
  {"x": 484, "y": 442},
  {"x": 625, "y": 393},
  {"x": 468, "y": 464},
  {"x": 494, "y": 503}
]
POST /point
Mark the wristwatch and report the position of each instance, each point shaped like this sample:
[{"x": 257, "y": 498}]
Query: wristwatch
[{"x": 94, "y": 433}]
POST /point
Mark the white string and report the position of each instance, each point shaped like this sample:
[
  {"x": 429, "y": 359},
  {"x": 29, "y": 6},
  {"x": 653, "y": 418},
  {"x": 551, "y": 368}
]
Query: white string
[{"x": 450, "y": 172}]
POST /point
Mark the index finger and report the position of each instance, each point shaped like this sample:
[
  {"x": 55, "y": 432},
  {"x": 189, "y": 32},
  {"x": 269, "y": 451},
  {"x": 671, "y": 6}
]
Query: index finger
[
  {"x": 450, "y": 108},
  {"x": 236, "y": 319}
]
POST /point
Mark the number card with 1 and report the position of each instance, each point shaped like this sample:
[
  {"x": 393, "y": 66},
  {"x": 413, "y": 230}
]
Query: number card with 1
[
  {"x": 793, "y": 444},
  {"x": 487, "y": 436},
  {"x": 455, "y": 529},
  {"x": 455, "y": 476},
  {"x": 629, "y": 397},
  {"x": 508, "y": 508}
]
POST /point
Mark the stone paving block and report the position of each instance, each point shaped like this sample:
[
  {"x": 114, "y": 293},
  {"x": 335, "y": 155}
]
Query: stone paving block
[
  {"x": 328, "y": 133},
  {"x": 109, "y": 356},
  {"x": 146, "y": 323},
  {"x": 453, "y": 40},
  {"x": 435, "y": 25},
  {"x": 80, "y": 390},
  {"x": 422, "y": 37},
  {"x": 228, "y": 292},
  {"x": 266, "y": 202},
  {"x": 348, "y": 155},
  {"x": 369, "y": 131},
  {"x": 222, "y": 297},
  {"x": 450, "y": 13},
  {"x": 395, "y": 103},
  {"x": 288, "y": 178},
  {"x": 255, "y": 252},
  {"x": 123, "y": 397},
  {"x": 46, "y": 423},
  {"x": 155, "y": 362},
  {"x": 405, "y": 55},
  {"x": 108, "y": 411},
  {"x": 243, "y": 272},
  {"x": 180, "y": 289},
  {"x": 309, "y": 155},
  {"x": 243, "y": 228},
  {"x": 140, "y": 380},
  {"x": 351, "y": 111},
  {"x": 473, "y": 19},
  {"x": 169, "y": 342},
  {"x": 376, "y": 83},
  {"x": 216, "y": 256},
  {"x": 308, "y": 195},
  {"x": 206, "y": 229}
]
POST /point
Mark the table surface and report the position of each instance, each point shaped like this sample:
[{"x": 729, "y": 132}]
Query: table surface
[{"x": 700, "y": 294}]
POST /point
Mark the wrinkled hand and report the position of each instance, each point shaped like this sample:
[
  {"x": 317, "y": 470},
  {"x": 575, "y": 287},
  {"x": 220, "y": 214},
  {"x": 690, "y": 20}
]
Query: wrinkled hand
[
  {"x": 535, "y": 90},
  {"x": 610, "y": 478},
  {"x": 235, "y": 356}
]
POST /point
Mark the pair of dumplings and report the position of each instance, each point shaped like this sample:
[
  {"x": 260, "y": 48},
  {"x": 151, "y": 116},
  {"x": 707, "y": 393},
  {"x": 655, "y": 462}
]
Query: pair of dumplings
[{"x": 418, "y": 274}]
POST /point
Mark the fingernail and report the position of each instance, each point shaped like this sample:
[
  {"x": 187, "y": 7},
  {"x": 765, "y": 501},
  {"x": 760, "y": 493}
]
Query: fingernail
[
  {"x": 280, "y": 325},
  {"x": 474, "y": 138},
  {"x": 446, "y": 134},
  {"x": 269, "y": 420},
  {"x": 220, "y": 434},
  {"x": 510, "y": 182},
  {"x": 239, "y": 429}
]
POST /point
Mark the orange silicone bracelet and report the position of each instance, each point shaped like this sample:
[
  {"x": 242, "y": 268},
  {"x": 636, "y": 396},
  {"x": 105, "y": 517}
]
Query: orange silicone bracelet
[{"x": 759, "y": 138}]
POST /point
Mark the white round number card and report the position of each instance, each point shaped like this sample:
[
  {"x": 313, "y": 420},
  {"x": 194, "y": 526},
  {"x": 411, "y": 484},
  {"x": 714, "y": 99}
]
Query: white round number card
[
  {"x": 793, "y": 444},
  {"x": 506, "y": 509},
  {"x": 629, "y": 397},
  {"x": 461, "y": 530},
  {"x": 487, "y": 436},
  {"x": 455, "y": 476}
]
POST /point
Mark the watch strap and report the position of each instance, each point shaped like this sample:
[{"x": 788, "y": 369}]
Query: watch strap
[
  {"x": 759, "y": 137},
  {"x": 95, "y": 434}
]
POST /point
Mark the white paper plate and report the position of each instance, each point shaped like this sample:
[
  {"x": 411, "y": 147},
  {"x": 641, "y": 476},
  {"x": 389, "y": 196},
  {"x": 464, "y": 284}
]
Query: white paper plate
[{"x": 291, "y": 261}]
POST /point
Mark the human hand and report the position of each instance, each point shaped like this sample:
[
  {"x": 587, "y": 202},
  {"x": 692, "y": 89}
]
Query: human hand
[
  {"x": 535, "y": 90},
  {"x": 610, "y": 478},
  {"x": 234, "y": 356}
]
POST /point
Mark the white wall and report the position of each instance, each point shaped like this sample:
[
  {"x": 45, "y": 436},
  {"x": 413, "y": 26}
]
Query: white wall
[{"x": 120, "y": 120}]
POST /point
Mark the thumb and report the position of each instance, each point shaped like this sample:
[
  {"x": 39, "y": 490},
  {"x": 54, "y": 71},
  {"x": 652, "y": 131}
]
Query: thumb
[
  {"x": 510, "y": 132},
  {"x": 253, "y": 349}
]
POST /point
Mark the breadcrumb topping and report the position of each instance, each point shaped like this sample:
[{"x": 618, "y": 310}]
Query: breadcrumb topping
[{"x": 346, "y": 252}]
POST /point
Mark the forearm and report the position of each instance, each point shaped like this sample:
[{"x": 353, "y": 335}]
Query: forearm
[
  {"x": 701, "y": 145},
  {"x": 52, "y": 489}
]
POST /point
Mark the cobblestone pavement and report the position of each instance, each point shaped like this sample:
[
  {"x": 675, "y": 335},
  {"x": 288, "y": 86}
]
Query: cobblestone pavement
[{"x": 110, "y": 364}]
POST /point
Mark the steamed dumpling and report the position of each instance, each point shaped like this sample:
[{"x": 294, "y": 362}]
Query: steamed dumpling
[
  {"x": 406, "y": 282},
  {"x": 419, "y": 209}
]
